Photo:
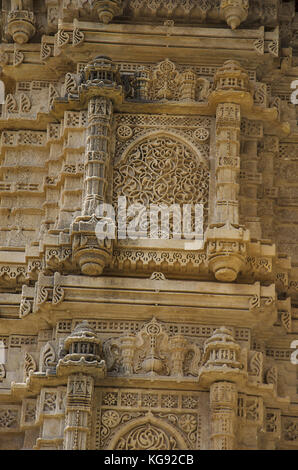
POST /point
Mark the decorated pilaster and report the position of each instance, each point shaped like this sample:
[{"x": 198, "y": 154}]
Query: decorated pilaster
[
  {"x": 226, "y": 240},
  {"x": 223, "y": 403},
  {"x": 82, "y": 364},
  {"x": 221, "y": 372},
  {"x": 100, "y": 86},
  {"x": 78, "y": 411}
]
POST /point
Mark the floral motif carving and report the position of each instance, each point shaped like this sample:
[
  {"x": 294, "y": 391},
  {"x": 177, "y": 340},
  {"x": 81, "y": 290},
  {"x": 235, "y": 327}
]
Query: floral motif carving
[
  {"x": 152, "y": 352},
  {"x": 8, "y": 418},
  {"x": 167, "y": 82},
  {"x": 29, "y": 365},
  {"x": 147, "y": 437},
  {"x": 47, "y": 357}
]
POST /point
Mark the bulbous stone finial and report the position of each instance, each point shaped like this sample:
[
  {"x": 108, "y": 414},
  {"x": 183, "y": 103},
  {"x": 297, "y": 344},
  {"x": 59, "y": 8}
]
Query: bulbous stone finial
[{"x": 234, "y": 11}]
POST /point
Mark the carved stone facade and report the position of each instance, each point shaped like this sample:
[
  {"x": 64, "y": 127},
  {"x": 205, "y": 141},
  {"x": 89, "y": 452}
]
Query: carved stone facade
[{"x": 159, "y": 342}]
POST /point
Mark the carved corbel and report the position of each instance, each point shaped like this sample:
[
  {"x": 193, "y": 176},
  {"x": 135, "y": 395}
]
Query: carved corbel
[
  {"x": 107, "y": 9},
  {"x": 234, "y": 11},
  {"x": 226, "y": 250},
  {"x": 21, "y": 21}
]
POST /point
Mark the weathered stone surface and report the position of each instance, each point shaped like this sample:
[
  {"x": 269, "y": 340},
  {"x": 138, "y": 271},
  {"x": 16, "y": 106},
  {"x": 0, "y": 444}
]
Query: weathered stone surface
[{"x": 155, "y": 342}]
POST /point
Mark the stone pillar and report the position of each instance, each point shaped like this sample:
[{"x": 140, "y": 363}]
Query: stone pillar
[
  {"x": 221, "y": 373},
  {"x": 98, "y": 153},
  {"x": 127, "y": 348},
  {"x": 78, "y": 411},
  {"x": 223, "y": 405},
  {"x": 81, "y": 365},
  {"x": 100, "y": 88},
  {"x": 188, "y": 85},
  {"x": 226, "y": 240},
  {"x": 142, "y": 83},
  {"x": 228, "y": 118}
]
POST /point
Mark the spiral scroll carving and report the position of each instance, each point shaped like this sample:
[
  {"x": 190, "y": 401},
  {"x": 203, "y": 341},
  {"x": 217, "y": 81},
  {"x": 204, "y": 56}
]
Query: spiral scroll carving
[{"x": 147, "y": 437}]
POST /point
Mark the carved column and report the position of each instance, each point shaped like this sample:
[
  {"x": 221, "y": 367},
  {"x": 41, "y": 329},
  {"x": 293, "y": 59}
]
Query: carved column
[
  {"x": 188, "y": 85},
  {"x": 226, "y": 240},
  {"x": 223, "y": 405},
  {"x": 142, "y": 82},
  {"x": 98, "y": 153},
  {"x": 100, "y": 88},
  {"x": 82, "y": 364},
  {"x": 78, "y": 411},
  {"x": 221, "y": 373},
  {"x": 227, "y": 162},
  {"x": 127, "y": 348},
  {"x": 178, "y": 345}
]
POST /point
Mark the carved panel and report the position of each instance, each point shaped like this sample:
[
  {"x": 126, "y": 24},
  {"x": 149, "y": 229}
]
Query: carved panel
[
  {"x": 152, "y": 352},
  {"x": 148, "y": 420},
  {"x": 9, "y": 418},
  {"x": 290, "y": 429},
  {"x": 146, "y": 437},
  {"x": 192, "y": 129},
  {"x": 161, "y": 169}
]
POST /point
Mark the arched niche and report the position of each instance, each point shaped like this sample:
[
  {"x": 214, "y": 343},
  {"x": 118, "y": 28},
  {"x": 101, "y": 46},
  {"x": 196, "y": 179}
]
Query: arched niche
[
  {"x": 162, "y": 168},
  {"x": 147, "y": 433}
]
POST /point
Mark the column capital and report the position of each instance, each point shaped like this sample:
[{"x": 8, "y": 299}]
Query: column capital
[
  {"x": 83, "y": 353},
  {"x": 232, "y": 85},
  {"x": 221, "y": 360},
  {"x": 101, "y": 77}
]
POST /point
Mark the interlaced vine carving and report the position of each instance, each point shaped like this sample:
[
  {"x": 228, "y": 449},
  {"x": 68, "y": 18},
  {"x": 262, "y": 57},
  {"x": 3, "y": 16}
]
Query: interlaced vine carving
[{"x": 161, "y": 170}]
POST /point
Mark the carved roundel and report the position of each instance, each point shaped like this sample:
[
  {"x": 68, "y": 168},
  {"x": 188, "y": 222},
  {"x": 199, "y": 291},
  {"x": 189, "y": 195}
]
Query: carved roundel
[
  {"x": 124, "y": 132},
  {"x": 110, "y": 418},
  {"x": 201, "y": 134}
]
